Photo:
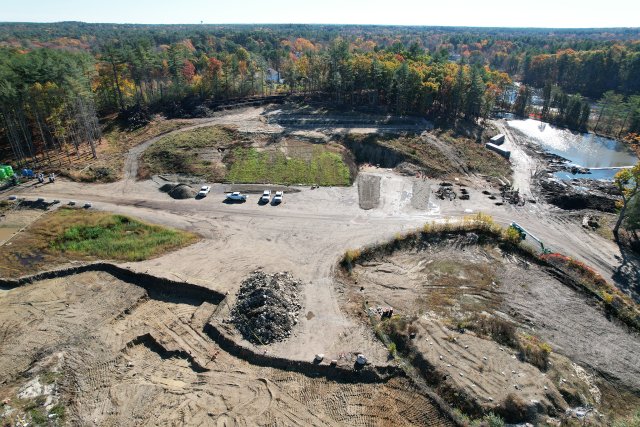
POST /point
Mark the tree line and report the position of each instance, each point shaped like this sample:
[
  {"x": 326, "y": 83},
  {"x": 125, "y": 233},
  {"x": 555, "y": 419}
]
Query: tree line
[
  {"x": 55, "y": 79},
  {"x": 407, "y": 82},
  {"x": 46, "y": 104}
]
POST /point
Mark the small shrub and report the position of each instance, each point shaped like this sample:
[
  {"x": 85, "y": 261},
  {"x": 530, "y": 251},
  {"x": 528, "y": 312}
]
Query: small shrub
[
  {"x": 38, "y": 417},
  {"x": 607, "y": 297},
  {"x": 59, "y": 411},
  {"x": 397, "y": 329},
  {"x": 393, "y": 349},
  {"x": 351, "y": 255},
  {"x": 512, "y": 235},
  {"x": 514, "y": 409},
  {"x": 493, "y": 420},
  {"x": 534, "y": 351}
]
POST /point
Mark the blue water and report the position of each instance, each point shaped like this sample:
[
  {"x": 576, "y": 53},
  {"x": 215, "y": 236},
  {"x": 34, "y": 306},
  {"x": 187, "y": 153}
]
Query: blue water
[
  {"x": 601, "y": 174},
  {"x": 580, "y": 149}
]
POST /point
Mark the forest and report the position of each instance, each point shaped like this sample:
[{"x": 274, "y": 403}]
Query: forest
[{"x": 58, "y": 80}]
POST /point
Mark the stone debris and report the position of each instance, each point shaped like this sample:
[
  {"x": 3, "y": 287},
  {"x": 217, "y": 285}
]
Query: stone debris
[{"x": 267, "y": 307}]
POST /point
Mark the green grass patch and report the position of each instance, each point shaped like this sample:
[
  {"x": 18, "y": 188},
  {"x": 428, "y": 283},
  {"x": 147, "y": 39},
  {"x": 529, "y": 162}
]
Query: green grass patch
[
  {"x": 182, "y": 153},
  {"x": 38, "y": 417},
  {"x": 116, "y": 237},
  {"x": 77, "y": 234},
  {"x": 59, "y": 411},
  {"x": 322, "y": 168}
]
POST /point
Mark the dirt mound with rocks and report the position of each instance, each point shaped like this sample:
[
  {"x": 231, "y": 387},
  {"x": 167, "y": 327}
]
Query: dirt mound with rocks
[
  {"x": 165, "y": 188},
  {"x": 183, "y": 191},
  {"x": 589, "y": 194},
  {"x": 267, "y": 307}
]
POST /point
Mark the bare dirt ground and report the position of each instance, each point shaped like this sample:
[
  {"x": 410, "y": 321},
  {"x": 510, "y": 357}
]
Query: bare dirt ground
[
  {"x": 306, "y": 235},
  {"x": 449, "y": 282},
  {"x": 136, "y": 359},
  {"x": 13, "y": 220}
]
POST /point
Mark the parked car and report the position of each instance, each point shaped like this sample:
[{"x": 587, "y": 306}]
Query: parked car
[
  {"x": 236, "y": 197},
  {"x": 266, "y": 196},
  {"x": 204, "y": 191},
  {"x": 277, "y": 199}
]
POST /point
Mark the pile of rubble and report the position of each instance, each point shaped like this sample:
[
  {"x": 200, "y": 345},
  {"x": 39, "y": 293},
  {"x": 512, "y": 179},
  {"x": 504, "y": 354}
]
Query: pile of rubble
[
  {"x": 580, "y": 194},
  {"x": 267, "y": 307},
  {"x": 511, "y": 196},
  {"x": 446, "y": 191}
]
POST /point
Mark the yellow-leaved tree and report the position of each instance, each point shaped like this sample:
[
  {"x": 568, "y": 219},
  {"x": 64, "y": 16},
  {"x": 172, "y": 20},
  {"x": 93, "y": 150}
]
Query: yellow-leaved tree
[{"x": 628, "y": 182}]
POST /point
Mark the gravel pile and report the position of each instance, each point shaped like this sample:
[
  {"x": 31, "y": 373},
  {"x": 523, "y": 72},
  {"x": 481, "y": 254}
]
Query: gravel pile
[
  {"x": 267, "y": 307},
  {"x": 183, "y": 191}
]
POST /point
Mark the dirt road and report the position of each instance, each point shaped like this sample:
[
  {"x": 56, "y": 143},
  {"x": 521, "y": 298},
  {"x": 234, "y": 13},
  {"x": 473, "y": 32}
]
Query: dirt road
[{"x": 524, "y": 166}]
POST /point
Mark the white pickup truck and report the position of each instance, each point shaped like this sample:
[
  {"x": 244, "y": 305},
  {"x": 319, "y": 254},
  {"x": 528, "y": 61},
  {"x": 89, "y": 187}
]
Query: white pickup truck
[
  {"x": 237, "y": 197},
  {"x": 204, "y": 191}
]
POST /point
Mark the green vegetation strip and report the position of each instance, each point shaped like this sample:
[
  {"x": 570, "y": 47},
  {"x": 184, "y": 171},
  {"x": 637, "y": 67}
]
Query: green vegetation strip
[
  {"x": 323, "y": 168},
  {"x": 108, "y": 236},
  {"x": 68, "y": 234}
]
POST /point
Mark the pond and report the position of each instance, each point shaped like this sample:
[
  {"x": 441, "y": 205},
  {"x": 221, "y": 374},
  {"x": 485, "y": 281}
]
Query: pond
[{"x": 585, "y": 150}]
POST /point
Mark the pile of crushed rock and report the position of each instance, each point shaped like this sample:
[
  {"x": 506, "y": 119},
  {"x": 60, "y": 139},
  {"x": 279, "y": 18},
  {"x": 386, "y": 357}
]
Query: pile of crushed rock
[
  {"x": 179, "y": 191},
  {"x": 267, "y": 307}
]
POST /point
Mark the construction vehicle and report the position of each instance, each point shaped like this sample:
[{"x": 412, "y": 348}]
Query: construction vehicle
[{"x": 523, "y": 235}]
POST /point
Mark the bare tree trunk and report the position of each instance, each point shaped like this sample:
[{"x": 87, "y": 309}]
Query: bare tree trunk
[
  {"x": 116, "y": 81},
  {"x": 27, "y": 136},
  {"x": 14, "y": 140}
]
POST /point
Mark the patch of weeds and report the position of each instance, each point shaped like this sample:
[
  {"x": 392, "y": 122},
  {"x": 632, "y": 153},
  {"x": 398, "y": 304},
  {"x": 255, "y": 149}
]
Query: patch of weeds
[
  {"x": 530, "y": 348},
  {"x": 325, "y": 168},
  {"x": 118, "y": 237},
  {"x": 493, "y": 420},
  {"x": 38, "y": 417},
  {"x": 49, "y": 377},
  {"x": 534, "y": 351},
  {"x": 499, "y": 330},
  {"x": 398, "y": 329},
  {"x": 630, "y": 421},
  {"x": 393, "y": 350},
  {"x": 59, "y": 412},
  {"x": 514, "y": 409},
  {"x": 77, "y": 234}
]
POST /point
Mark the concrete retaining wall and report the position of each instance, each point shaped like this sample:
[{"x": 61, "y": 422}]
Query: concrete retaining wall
[{"x": 504, "y": 153}]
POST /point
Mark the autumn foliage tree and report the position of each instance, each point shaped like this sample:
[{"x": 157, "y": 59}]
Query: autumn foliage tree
[{"x": 628, "y": 182}]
